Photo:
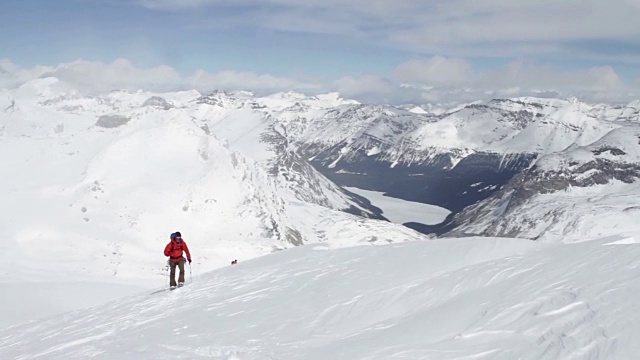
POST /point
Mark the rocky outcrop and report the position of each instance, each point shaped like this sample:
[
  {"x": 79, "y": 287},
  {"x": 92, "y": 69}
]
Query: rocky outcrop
[
  {"x": 112, "y": 121},
  {"x": 157, "y": 102}
]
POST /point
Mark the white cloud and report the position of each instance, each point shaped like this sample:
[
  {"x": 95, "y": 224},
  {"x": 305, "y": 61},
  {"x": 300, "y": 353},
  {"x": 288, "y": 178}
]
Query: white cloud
[
  {"x": 533, "y": 76},
  {"x": 371, "y": 88},
  {"x": 468, "y": 22},
  {"x": 453, "y": 27},
  {"x": 602, "y": 78},
  {"x": 445, "y": 78},
  {"x": 95, "y": 77},
  {"x": 244, "y": 80},
  {"x": 437, "y": 70},
  {"x": 436, "y": 80},
  {"x": 12, "y": 75},
  {"x": 350, "y": 85}
]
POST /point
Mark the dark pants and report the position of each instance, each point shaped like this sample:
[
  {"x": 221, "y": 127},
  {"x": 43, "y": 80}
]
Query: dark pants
[{"x": 173, "y": 265}]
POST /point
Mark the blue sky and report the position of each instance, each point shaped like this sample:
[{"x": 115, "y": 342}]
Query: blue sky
[
  {"x": 332, "y": 42},
  {"x": 51, "y": 32}
]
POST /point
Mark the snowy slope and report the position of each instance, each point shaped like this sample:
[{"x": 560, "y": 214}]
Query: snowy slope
[
  {"x": 525, "y": 125},
  {"x": 570, "y": 124},
  {"x": 570, "y": 215},
  {"x": 477, "y": 298}
]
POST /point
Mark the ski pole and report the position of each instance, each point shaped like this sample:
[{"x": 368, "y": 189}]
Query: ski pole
[
  {"x": 190, "y": 277},
  {"x": 168, "y": 275}
]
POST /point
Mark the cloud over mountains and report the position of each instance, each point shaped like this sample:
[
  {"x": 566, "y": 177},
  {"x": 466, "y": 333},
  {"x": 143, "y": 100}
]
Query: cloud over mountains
[{"x": 434, "y": 79}]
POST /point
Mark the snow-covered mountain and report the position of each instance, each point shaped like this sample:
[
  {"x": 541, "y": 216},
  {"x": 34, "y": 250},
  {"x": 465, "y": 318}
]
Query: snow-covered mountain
[
  {"x": 311, "y": 146},
  {"x": 583, "y": 191}
]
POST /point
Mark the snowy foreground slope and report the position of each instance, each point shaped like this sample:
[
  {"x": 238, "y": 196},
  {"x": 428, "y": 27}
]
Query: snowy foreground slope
[{"x": 471, "y": 298}]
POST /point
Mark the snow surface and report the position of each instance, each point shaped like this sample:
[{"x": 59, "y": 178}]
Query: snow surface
[
  {"x": 242, "y": 130},
  {"x": 28, "y": 301},
  {"x": 402, "y": 211},
  {"x": 473, "y": 298}
]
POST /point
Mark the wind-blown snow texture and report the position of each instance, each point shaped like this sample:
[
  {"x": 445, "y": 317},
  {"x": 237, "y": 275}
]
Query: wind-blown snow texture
[{"x": 478, "y": 298}]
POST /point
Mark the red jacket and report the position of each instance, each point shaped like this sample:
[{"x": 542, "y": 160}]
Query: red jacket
[{"x": 174, "y": 250}]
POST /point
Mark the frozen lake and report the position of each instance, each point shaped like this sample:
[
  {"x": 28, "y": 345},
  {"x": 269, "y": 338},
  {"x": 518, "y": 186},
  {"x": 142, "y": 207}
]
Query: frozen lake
[{"x": 402, "y": 211}]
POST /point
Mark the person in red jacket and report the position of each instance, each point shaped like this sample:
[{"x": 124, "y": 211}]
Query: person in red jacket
[{"x": 174, "y": 251}]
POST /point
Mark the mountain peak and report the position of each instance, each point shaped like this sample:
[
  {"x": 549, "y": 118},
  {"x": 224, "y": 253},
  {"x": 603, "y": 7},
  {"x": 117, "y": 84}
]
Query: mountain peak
[
  {"x": 46, "y": 87},
  {"x": 288, "y": 95},
  {"x": 634, "y": 104},
  {"x": 336, "y": 98}
]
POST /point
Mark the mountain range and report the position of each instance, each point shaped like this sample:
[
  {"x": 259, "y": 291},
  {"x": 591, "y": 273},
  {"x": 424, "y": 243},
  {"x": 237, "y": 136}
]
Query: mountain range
[{"x": 492, "y": 164}]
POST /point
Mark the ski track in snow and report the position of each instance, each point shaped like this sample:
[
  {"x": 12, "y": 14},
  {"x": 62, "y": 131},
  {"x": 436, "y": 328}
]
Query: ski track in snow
[{"x": 474, "y": 298}]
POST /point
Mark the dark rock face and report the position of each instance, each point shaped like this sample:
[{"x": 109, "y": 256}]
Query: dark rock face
[
  {"x": 610, "y": 149},
  {"x": 158, "y": 102},
  {"x": 223, "y": 99},
  {"x": 520, "y": 118},
  {"x": 112, "y": 121}
]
